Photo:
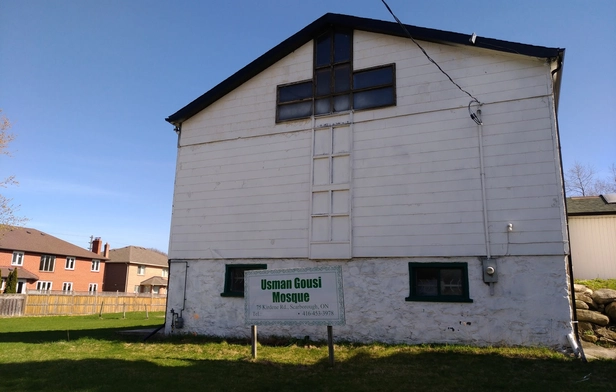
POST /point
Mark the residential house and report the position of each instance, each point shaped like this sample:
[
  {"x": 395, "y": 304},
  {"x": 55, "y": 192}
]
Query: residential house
[
  {"x": 133, "y": 269},
  {"x": 23, "y": 278},
  {"x": 345, "y": 145},
  {"x": 47, "y": 263},
  {"x": 592, "y": 232}
]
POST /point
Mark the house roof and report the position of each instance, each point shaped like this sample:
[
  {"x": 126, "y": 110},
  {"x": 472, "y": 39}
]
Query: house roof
[
  {"x": 137, "y": 255},
  {"x": 22, "y": 273},
  {"x": 31, "y": 240},
  {"x": 591, "y": 205},
  {"x": 320, "y": 25},
  {"x": 154, "y": 281}
]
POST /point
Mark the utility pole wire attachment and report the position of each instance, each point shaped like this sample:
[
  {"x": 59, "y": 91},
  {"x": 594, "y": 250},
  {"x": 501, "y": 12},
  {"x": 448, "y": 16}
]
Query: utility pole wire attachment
[{"x": 428, "y": 56}]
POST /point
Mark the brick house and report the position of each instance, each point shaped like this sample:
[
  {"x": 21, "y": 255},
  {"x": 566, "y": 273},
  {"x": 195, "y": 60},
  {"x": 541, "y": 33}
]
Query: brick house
[
  {"x": 134, "y": 269},
  {"x": 47, "y": 263}
]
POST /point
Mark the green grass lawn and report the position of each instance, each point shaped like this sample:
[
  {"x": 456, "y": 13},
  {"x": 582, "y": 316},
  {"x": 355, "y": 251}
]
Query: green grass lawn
[
  {"x": 596, "y": 284},
  {"x": 87, "y": 354}
]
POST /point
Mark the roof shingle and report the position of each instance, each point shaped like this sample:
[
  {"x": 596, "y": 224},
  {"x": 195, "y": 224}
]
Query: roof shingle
[
  {"x": 155, "y": 281},
  {"x": 22, "y": 273},
  {"x": 137, "y": 255},
  {"x": 31, "y": 240},
  {"x": 590, "y": 205}
]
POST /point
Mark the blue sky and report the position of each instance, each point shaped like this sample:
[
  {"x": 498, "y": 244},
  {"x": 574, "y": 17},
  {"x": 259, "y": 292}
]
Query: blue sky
[{"x": 87, "y": 85}]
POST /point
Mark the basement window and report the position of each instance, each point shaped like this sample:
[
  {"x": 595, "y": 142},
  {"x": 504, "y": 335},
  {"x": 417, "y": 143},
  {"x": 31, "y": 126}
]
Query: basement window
[
  {"x": 438, "y": 282},
  {"x": 234, "y": 278}
]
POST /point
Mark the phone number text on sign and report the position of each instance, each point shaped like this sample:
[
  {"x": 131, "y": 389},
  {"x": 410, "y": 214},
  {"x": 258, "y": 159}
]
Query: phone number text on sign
[{"x": 294, "y": 296}]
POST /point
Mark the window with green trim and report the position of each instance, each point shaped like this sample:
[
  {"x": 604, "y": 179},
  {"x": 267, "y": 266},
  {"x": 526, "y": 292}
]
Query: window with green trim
[
  {"x": 439, "y": 282},
  {"x": 234, "y": 278}
]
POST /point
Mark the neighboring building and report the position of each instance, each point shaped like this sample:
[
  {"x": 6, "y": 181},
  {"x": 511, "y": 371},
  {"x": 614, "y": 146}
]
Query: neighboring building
[
  {"x": 592, "y": 232},
  {"x": 133, "y": 269},
  {"x": 345, "y": 146},
  {"x": 24, "y": 277},
  {"x": 47, "y": 263}
]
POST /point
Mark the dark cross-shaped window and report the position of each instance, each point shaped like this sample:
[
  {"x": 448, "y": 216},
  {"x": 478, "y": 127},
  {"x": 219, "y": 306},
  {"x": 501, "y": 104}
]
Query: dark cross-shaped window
[{"x": 335, "y": 87}]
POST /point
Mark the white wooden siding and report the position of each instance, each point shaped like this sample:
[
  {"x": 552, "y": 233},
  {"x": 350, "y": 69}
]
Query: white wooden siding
[
  {"x": 421, "y": 87},
  {"x": 250, "y": 110},
  {"x": 417, "y": 184},
  {"x": 593, "y": 246},
  {"x": 243, "y": 185},
  {"x": 243, "y": 198}
]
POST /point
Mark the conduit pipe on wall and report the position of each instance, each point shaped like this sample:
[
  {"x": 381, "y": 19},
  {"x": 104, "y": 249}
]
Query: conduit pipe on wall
[
  {"x": 185, "y": 281},
  {"x": 482, "y": 175}
]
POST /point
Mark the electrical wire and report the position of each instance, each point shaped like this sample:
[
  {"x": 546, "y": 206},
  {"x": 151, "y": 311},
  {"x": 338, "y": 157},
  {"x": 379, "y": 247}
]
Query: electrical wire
[
  {"x": 428, "y": 56},
  {"x": 475, "y": 116}
]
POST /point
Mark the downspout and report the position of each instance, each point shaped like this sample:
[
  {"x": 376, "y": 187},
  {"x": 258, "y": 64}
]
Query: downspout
[
  {"x": 177, "y": 128},
  {"x": 576, "y": 330}
]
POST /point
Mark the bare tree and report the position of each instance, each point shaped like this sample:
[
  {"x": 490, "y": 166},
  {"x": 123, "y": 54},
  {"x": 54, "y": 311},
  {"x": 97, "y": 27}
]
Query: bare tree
[
  {"x": 7, "y": 208},
  {"x": 608, "y": 185},
  {"x": 158, "y": 251},
  {"x": 579, "y": 180}
]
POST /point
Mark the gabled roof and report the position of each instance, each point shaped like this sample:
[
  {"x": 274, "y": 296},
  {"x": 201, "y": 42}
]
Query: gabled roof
[
  {"x": 137, "y": 255},
  {"x": 155, "y": 281},
  {"x": 591, "y": 205},
  {"x": 320, "y": 25},
  {"x": 22, "y": 273},
  {"x": 31, "y": 240}
]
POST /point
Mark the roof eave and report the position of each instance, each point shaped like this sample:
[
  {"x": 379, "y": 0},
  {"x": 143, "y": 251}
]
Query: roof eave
[{"x": 371, "y": 25}]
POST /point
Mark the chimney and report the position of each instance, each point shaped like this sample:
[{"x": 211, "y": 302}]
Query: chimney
[
  {"x": 96, "y": 245},
  {"x": 106, "y": 252}
]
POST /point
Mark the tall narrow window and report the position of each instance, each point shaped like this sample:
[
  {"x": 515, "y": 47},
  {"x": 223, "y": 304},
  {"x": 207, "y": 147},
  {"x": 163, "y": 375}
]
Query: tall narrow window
[
  {"x": 70, "y": 263},
  {"x": 141, "y": 270},
  {"x": 48, "y": 263},
  {"x": 96, "y": 265},
  {"x": 93, "y": 287},
  {"x": 67, "y": 286},
  {"x": 18, "y": 258},
  {"x": 332, "y": 72}
]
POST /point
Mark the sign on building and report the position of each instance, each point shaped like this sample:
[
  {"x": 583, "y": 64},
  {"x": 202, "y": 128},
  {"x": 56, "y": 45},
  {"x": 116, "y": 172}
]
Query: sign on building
[{"x": 294, "y": 296}]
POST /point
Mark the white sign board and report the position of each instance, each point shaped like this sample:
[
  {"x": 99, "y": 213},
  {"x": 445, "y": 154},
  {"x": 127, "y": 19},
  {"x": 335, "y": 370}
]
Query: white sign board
[{"x": 294, "y": 296}]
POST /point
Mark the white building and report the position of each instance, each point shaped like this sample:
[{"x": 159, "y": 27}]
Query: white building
[
  {"x": 592, "y": 229},
  {"x": 344, "y": 145}
]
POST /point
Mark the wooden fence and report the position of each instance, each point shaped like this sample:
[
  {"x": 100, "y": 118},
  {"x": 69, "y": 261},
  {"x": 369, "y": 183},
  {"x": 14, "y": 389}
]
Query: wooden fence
[
  {"x": 12, "y": 304},
  {"x": 77, "y": 303}
]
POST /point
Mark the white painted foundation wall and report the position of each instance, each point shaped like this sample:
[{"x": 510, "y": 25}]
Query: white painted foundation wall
[{"x": 529, "y": 305}]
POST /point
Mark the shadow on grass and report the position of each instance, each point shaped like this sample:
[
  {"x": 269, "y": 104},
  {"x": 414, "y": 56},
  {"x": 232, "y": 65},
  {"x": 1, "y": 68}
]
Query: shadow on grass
[
  {"x": 109, "y": 334},
  {"x": 362, "y": 371}
]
